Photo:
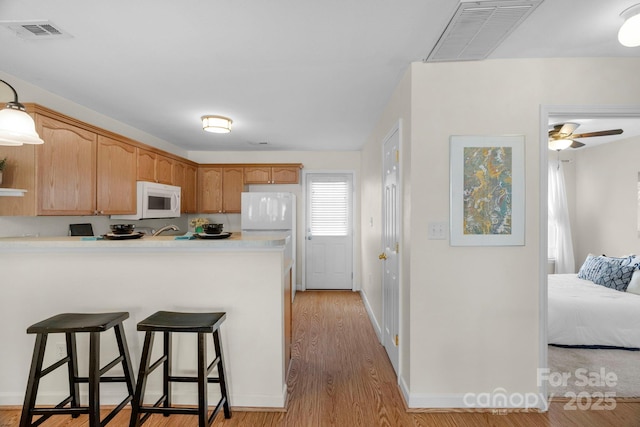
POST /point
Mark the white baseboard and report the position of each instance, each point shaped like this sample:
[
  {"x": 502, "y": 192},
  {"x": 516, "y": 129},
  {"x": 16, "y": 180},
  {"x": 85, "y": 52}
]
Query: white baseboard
[
  {"x": 372, "y": 318},
  {"x": 498, "y": 399}
]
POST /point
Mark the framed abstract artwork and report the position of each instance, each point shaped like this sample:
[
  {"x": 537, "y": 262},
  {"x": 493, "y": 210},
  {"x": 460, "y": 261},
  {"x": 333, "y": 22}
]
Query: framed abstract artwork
[{"x": 487, "y": 190}]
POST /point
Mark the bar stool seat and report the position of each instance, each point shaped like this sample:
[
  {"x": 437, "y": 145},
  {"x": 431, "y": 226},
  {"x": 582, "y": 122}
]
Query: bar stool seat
[
  {"x": 70, "y": 324},
  {"x": 169, "y": 322}
]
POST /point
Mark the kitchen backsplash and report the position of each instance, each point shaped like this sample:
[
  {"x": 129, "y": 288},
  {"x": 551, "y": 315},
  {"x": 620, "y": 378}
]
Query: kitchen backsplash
[{"x": 51, "y": 226}]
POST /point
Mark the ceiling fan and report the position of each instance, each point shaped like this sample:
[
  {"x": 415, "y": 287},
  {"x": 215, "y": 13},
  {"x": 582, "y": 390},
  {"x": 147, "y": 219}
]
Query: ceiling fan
[{"x": 561, "y": 136}]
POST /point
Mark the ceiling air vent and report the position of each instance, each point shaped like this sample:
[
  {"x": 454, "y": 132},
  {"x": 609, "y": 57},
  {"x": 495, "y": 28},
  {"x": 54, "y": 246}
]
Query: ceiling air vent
[
  {"x": 36, "y": 30},
  {"x": 478, "y": 27}
]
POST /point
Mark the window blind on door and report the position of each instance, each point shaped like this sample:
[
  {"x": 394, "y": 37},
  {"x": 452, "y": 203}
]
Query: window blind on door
[{"x": 329, "y": 208}]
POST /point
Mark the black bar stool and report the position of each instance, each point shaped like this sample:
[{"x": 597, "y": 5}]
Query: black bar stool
[
  {"x": 70, "y": 324},
  {"x": 168, "y": 322}
]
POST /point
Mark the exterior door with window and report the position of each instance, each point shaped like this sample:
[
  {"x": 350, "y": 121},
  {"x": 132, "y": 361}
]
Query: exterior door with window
[{"x": 329, "y": 236}]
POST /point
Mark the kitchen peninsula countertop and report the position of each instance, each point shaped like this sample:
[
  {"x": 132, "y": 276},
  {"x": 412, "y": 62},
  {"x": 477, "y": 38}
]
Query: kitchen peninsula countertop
[
  {"x": 248, "y": 277},
  {"x": 237, "y": 241}
]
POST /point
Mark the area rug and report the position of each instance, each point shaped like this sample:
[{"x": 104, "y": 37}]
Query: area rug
[{"x": 575, "y": 370}]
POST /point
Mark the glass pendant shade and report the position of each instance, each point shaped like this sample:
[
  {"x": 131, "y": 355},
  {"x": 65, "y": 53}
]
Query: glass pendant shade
[
  {"x": 629, "y": 34},
  {"x": 17, "y": 127}
]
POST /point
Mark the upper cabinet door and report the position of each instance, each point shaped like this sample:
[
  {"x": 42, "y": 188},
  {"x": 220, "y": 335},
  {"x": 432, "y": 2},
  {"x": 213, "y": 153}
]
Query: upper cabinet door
[
  {"x": 66, "y": 168},
  {"x": 210, "y": 189},
  {"x": 232, "y": 186},
  {"x": 285, "y": 174},
  {"x": 164, "y": 170},
  {"x": 185, "y": 176},
  {"x": 257, "y": 175},
  {"x": 116, "y": 177},
  {"x": 146, "y": 165}
]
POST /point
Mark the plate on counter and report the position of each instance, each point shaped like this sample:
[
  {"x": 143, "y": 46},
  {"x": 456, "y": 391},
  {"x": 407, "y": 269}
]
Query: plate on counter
[
  {"x": 134, "y": 235},
  {"x": 223, "y": 235}
]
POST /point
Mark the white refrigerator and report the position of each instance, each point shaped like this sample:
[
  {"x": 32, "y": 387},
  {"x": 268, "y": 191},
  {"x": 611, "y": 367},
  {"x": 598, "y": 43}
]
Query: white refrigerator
[{"x": 271, "y": 213}]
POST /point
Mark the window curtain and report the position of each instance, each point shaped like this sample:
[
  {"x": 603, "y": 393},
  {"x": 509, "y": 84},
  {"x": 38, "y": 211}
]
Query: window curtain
[{"x": 560, "y": 242}]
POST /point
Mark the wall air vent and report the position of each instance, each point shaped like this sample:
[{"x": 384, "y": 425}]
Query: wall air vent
[
  {"x": 478, "y": 27},
  {"x": 36, "y": 30}
]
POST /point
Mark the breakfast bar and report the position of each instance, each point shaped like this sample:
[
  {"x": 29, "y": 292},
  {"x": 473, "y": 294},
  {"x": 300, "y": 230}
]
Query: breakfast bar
[{"x": 248, "y": 277}]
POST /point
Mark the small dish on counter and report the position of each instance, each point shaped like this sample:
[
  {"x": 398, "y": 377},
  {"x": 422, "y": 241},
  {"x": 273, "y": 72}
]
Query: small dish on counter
[
  {"x": 223, "y": 235},
  {"x": 112, "y": 236}
]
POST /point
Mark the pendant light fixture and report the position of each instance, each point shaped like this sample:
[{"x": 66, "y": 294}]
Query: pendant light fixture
[
  {"x": 16, "y": 125},
  {"x": 216, "y": 124},
  {"x": 629, "y": 34}
]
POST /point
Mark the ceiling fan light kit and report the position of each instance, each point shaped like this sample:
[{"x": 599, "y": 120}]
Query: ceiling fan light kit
[
  {"x": 559, "y": 144},
  {"x": 16, "y": 125},
  {"x": 562, "y": 136},
  {"x": 216, "y": 124},
  {"x": 629, "y": 33}
]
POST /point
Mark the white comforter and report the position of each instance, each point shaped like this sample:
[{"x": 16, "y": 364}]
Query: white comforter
[{"x": 583, "y": 313}]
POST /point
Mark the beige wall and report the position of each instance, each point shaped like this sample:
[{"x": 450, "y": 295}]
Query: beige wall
[
  {"x": 473, "y": 311},
  {"x": 398, "y": 109},
  {"x": 607, "y": 199},
  {"x": 29, "y": 93}
]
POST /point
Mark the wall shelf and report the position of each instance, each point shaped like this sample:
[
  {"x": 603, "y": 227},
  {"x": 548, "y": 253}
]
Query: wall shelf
[{"x": 12, "y": 192}]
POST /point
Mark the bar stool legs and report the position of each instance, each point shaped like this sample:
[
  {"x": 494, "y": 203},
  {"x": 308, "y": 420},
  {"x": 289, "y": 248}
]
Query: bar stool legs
[
  {"x": 168, "y": 322},
  {"x": 70, "y": 324}
]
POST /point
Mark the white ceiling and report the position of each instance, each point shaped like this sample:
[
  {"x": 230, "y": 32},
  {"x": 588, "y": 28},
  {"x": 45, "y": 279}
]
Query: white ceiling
[{"x": 300, "y": 75}]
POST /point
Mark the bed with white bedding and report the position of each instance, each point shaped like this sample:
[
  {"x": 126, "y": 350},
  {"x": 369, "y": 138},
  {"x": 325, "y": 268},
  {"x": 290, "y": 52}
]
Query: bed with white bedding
[{"x": 581, "y": 313}]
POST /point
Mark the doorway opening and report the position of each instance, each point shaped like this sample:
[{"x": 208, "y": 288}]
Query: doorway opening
[{"x": 548, "y": 115}]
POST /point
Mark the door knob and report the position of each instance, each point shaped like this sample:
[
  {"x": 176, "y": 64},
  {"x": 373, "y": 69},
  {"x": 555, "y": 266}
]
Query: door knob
[{"x": 382, "y": 256}]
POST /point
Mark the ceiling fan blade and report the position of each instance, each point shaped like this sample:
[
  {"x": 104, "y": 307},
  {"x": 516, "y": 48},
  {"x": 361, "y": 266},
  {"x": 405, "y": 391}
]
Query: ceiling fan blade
[
  {"x": 576, "y": 144},
  {"x": 567, "y": 129},
  {"x": 598, "y": 133}
]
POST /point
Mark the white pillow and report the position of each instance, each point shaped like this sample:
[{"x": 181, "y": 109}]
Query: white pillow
[{"x": 634, "y": 284}]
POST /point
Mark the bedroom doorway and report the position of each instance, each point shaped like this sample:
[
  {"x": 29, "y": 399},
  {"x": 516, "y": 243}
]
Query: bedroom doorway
[{"x": 559, "y": 114}]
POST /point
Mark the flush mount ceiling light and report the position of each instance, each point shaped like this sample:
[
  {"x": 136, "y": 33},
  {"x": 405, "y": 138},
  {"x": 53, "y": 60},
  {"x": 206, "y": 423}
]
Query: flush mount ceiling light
[
  {"x": 629, "y": 34},
  {"x": 216, "y": 124},
  {"x": 16, "y": 125}
]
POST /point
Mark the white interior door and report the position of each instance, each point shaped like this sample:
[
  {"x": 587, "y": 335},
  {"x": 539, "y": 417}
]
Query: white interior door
[
  {"x": 329, "y": 235},
  {"x": 390, "y": 248}
]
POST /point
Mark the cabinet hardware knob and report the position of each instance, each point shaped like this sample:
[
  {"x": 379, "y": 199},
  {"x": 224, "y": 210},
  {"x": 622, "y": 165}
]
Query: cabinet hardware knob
[{"x": 382, "y": 256}]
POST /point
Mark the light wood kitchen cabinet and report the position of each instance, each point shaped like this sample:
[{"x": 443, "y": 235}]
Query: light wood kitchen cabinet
[
  {"x": 164, "y": 170},
  {"x": 272, "y": 174},
  {"x": 20, "y": 172},
  {"x": 185, "y": 176},
  {"x": 210, "y": 189},
  {"x": 154, "y": 167},
  {"x": 232, "y": 187},
  {"x": 66, "y": 162},
  {"x": 146, "y": 165},
  {"x": 115, "y": 177},
  {"x": 220, "y": 188}
]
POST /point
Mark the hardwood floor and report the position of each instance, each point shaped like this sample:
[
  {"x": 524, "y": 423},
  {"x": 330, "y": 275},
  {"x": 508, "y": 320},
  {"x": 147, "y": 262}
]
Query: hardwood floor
[{"x": 341, "y": 376}]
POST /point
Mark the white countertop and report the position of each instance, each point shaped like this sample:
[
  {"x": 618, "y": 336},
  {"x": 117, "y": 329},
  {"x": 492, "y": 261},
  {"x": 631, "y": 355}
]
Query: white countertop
[{"x": 236, "y": 241}]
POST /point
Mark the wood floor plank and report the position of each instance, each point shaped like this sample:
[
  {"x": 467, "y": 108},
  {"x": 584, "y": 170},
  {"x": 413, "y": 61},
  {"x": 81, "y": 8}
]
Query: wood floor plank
[{"x": 340, "y": 376}]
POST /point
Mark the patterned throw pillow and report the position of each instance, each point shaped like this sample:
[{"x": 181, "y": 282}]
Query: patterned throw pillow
[
  {"x": 615, "y": 273},
  {"x": 590, "y": 267}
]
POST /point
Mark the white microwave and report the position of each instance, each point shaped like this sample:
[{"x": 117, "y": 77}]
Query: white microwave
[{"x": 155, "y": 201}]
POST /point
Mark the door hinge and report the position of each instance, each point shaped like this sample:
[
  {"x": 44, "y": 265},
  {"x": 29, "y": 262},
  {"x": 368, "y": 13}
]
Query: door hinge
[
  {"x": 397, "y": 156},
  {"x": 397, "y": 247},
  {"x": 397, "y": 339}
]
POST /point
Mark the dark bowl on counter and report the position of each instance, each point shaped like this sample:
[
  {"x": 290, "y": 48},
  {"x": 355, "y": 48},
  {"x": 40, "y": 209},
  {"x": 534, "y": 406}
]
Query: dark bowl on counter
[
  {"x": 122, "y": 228},
  {"x": 212, "y": 228}
]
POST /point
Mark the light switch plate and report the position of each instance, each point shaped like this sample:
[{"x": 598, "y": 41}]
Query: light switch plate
[{"x": 438, "y": 230}]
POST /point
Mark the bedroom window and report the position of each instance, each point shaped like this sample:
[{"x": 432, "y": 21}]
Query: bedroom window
[{"x": 560, "y": 243}]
